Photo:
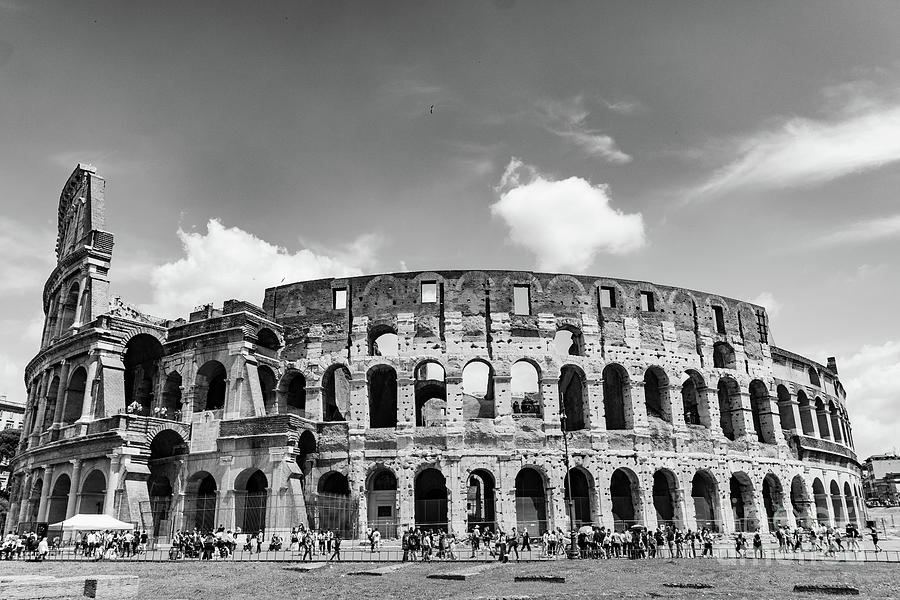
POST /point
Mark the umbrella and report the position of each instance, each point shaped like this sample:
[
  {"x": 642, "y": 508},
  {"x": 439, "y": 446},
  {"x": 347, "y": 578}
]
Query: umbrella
[{"x": 586, "y": 529}]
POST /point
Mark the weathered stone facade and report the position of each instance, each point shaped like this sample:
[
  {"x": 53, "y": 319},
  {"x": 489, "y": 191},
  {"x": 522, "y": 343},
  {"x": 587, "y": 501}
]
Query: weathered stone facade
[{"x": 674, "y": 404}]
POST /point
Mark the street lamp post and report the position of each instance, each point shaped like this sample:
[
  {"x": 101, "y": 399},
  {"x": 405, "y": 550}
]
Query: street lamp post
[{"x": 572, "y": 534}]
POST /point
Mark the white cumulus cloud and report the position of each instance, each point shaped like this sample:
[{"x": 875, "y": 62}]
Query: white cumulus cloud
[
  {"x": 861, "y": 134},
  {"x": 871, "y": 377},
  {"x": 228, "y": 262},
  {"x": 566, "y": 222}
]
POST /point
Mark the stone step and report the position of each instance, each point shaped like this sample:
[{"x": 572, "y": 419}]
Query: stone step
[
  {"x": 378, "y": 572},
  {"x": 464, "y": 574}
]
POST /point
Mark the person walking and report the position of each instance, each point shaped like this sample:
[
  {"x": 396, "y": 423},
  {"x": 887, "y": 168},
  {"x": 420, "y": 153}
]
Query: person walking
[
  {"x": 875, "y": 540},
  {"x": 526, "y": 539},
  {"x": 336, "y": 547}
]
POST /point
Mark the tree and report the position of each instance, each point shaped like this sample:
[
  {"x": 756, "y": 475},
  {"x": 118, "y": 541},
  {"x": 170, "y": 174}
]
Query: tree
[{"x": 9, "y": 443}]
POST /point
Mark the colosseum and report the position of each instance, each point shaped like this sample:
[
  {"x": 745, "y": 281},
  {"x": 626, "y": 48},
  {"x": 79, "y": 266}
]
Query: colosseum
[{"x": 443, "y": 399}]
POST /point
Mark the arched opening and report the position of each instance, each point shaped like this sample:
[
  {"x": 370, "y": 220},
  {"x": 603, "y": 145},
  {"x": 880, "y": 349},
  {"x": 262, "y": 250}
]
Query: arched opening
[
  {"x": 705, "y": 496},
  {"x": 800, "y": 502},
  {"x": 383, "y": 341},
  {"x": 573, "y": 398},
  {"x": 50, "y": 410},
  {"x": 251, "y": 495},
  {"x": 851, "y": 504},
  {"x": 335, "y": 509},
  {"x": 266, "y": 338},
  {"x": 723, "y": 356},
  {"x": 481, "y": 500},
  {"x": 625, "y": 494},
  {"x": 382, "y": 381},
  {"x": 835, "y": 423},
  {"x": 761, "y": 407},
  {"x": 167, "y": 444},
  {"x": 743, "y": 507},
  {"x": 822, "y": 419},
  {"x": 478, "y": 390},
  {"x": 773, "y": 501},
  {"x": 267, "y": 383},
  {"x": 568, "y": 341},
  {"x": 785, "y": 408},
  {"x": 210, "y": 387},
  {"x": 171, "y": 399},
  {"x": 160, "y": 489},
  {"x": 806, "y": 414},
  {"x": 656, "y": 394},
  {"x": 295, "y": 396},
  {"x": 307, "y": 447},
  {"x": 382, "y": 497},
  {"x": 431, "y": 500},
  {"x": 336, "y": 393},
  {"x": 75, "y": 395},
  {"x": 69, "y": 308},
  {"x": 578, "y": 497},
  {"x": 837, "y": 505},
  {"x": 665, "y": 498},
  {"x": 59, "y": 499},
  {"x": 615, "y": 395},
  {"x": 200, "y": 502},
  {"x": 93, "y": 493},
  {"x": 531, "y": 501},
  {"x": 431, "y": 395},
  {"x": 730, "y": 410},
  {"x": 525, "y": 389},
  {"x": 693, "y": 400},
  {"x": 142, "y": 355},
  {"x": 813, "y": 377}
]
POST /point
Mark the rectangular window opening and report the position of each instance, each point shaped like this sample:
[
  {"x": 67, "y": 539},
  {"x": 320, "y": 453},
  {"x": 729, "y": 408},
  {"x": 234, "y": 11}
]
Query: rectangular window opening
[
  {"x": 429, "y": 292},
  {"x": 607, "y": 297},
  {"x": 719, "y": 312},
  {"x": 522, "y": 299},
  {"x": 339, "y": 297},
  {"x": 762, "y": 325},
  {"x": 647, "y": 304}
]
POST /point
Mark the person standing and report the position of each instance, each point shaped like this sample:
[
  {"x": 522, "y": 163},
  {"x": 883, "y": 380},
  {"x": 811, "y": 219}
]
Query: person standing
[{"x": 526, "y": 539}]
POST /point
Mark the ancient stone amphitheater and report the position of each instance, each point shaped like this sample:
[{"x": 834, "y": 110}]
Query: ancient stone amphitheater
[{"x": 444, "y": 399}]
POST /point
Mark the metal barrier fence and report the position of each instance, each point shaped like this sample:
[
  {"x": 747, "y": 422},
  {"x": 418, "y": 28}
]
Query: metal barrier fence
[{"x": 462, "y": 553}]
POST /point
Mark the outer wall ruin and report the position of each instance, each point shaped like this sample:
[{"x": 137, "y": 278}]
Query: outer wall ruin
[{"x": 432, "y": 398}]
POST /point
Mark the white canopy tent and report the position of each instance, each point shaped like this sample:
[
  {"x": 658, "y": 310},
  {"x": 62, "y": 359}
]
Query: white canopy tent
[{"x": 91, "y": 523}]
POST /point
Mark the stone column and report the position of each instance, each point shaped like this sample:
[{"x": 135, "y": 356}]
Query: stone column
[
  {"x": 45, "y": 492},
  {"x": 596, "y": 414},
  {"x": 454, "y": 402},
  {"x": 456, "y": 512},
  {"x": 636, "y": 408},
  {"x": 502, "y": 395},
  {"x": 742, "y": 415},
  {"x": 28, "y": 481},
  {"x": 550, "y": 403},
  {"x": 74, "y": 488},
  {"x": 795, "y": 410},
  {"x": 90, "y": 394},
  {"x": 676, "y": 407},
  {"x": 314, "y": 402},
  {"x": 82, "y": 289},
  {"x": 112, "y": 484},
  {"x": 38, "y": 426},
  {"x": 406, "y": 402},
  {"x": 61, "y": 393}
]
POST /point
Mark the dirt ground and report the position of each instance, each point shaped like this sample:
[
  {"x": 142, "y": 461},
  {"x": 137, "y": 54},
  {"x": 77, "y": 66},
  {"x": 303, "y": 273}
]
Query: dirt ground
[{"x": 584, "y": 579}]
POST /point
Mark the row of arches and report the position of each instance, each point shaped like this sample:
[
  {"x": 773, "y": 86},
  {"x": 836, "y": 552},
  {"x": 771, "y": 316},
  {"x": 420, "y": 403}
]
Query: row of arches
[{"x": 703, "y": 502}]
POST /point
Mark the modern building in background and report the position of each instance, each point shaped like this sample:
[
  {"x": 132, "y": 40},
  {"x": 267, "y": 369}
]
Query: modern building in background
[
  {"x": 11, "y": 416},
  {"x": 442, "y": 399},
  {"x": 881, "y": 479}
]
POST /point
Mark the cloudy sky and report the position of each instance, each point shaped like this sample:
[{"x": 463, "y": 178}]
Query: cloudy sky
[{"x": 746, "y": 148}]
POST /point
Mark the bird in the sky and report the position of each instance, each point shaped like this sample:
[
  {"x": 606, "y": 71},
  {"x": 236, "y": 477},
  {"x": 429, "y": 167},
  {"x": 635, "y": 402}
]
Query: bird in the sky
[{"x": 432, "y": 109}]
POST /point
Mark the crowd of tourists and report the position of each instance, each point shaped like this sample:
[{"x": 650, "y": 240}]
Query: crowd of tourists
[{"x": 424, "y": 544}]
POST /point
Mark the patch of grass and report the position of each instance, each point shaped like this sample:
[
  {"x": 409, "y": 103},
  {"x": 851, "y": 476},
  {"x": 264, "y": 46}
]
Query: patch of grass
[{"x": 584, "y": 579}]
